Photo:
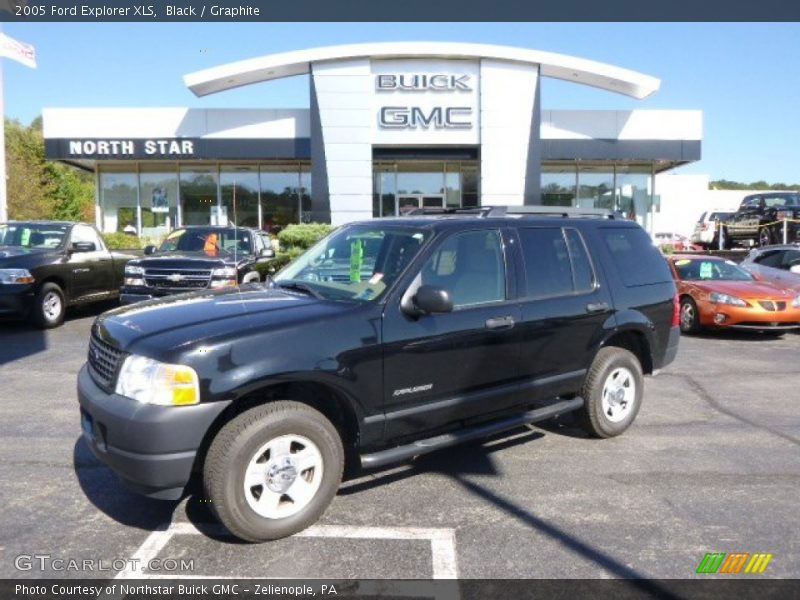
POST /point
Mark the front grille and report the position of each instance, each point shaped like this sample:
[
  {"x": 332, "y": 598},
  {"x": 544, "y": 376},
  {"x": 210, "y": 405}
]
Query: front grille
[
  {"x": 772, "y": 305},
  {"x": 104, "y": 362},
  {"x": 177, "y": 279}
]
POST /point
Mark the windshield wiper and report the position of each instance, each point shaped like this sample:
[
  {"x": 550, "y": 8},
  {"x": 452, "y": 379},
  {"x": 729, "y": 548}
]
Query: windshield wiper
[{"x": 301, "y": 287}]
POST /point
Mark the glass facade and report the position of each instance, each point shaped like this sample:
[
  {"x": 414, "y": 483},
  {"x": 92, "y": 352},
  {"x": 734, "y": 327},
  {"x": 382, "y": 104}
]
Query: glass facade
[
  {"x": 158, "y": 191},
  {"x": 401, "y": 186},
  {"x": 150, "y": 199},
  {"x": 119, "y": 199},
  {"x": 627, "y": 188}
]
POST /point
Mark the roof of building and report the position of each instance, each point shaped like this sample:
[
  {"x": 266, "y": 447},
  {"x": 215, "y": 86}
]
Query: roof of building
[{"x": 288, "y": 64}]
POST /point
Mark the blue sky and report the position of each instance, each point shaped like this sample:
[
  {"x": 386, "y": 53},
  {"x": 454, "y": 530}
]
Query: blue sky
[{"x": 743, "y": 76}]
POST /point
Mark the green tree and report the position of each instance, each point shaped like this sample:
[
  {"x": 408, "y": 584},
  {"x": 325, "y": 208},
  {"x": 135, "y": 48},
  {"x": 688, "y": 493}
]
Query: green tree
[{"x": 42, "y": 189}]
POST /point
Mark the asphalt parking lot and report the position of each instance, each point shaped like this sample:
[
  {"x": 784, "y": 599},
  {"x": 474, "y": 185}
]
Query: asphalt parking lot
[{"x": 711, "y": 465}]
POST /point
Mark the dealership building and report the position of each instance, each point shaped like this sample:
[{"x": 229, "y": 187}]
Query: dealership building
[{"x": 390, "y": 127}]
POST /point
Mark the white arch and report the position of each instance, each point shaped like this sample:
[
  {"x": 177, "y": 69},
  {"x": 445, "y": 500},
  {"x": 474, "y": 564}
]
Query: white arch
[{"x": 287, "y": 64}]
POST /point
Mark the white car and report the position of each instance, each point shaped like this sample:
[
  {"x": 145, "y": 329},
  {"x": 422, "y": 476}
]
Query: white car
[{"x": 705, "y": 230}]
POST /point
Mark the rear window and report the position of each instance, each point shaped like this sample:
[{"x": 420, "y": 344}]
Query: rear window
[{"x": 638, "y": 262}]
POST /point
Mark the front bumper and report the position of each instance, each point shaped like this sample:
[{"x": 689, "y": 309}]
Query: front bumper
[
  {"x": 126, "y": 297},
  {"x": 16, "y": 300},
  {"x": 752, "y": 317},
  {"x": 151, "y": 448}
]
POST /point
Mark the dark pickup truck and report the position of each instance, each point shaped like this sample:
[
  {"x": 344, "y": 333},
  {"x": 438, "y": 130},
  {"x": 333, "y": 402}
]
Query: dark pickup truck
[
  {"x": 46, "y": 266},
  {"x": 196, "y": 258},
  {"x": 759, "y": 219}
]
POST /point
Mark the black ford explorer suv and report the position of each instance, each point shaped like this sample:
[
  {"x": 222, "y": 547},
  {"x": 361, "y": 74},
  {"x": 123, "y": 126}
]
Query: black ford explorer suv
[
  {"x": 193, "y": 258},
  {"x": 388, "y": 339},
  {"x": 46, "y": 266}
]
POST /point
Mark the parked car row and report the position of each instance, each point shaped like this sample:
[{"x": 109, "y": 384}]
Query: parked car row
[
  {"x": 48, "y": 266},
  {"x": 759, "y": 221}
]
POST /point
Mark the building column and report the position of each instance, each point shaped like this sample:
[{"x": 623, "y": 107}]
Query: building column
[
  {"x": 341, "y": 147},
  {"x": 510, "y": 123}
]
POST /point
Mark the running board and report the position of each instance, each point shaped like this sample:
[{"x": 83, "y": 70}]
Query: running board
[{"x": 399, "y": 453}]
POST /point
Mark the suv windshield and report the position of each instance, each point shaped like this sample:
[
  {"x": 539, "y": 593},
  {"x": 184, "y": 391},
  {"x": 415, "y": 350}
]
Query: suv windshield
[
  {"x": 710, "y": 270},
  {"x": 38, "y": 236},
  {"x": 354, "y": 263},
  {"x": 211, "y": 241}
]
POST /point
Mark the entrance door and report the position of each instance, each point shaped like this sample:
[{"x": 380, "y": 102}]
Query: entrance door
[{"x": 408, "y": 202}]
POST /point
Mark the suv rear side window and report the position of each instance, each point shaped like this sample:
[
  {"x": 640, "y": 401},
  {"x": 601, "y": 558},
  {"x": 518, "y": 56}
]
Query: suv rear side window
[
  {"x": 556, "y": 262},
  {"x": 638, "y": 262}
]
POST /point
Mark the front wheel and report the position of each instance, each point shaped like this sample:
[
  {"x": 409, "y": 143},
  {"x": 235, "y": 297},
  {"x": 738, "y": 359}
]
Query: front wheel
[
  {"x": 612, "y": 393},
  {"x": 49, "y": 306},
  {"x": 689, "y": 317},
  {"x": 273, "y": 470}
]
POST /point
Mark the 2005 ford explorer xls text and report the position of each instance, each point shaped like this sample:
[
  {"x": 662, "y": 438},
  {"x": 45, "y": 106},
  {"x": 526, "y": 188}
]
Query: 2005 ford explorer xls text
[{"x": 388, "y": 339}]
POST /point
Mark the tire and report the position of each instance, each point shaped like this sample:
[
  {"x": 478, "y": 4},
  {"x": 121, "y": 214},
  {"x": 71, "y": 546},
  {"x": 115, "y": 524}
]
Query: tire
[
  {"x": 764, "y": 237},
  {"x": 689, "y": 316},
  {"x": 612, "y": 393},
  {"x": 266, "y": 442},
  {"x": 49, "y": 306}
]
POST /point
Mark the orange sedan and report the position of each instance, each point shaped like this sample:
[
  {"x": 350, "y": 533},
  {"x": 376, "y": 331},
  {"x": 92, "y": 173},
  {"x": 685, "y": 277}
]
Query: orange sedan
[{"x": 718, "y": 293}]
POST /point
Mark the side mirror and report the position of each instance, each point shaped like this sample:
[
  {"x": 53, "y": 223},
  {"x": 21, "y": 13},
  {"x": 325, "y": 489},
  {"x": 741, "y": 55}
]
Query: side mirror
[
  {"x": 430, "y": 299},
  {"x": 267, "y": 253},
  {"x": 150, "y": 249},
  {"x": 83, "y": 247}
]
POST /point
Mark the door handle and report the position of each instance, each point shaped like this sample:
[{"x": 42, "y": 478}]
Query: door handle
[
  {"x": 596, "y": 307},
  {"x": 500, "y": 323}
]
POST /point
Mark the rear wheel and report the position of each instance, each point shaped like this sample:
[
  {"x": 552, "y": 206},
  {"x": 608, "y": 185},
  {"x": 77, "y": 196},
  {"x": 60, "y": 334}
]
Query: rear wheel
[
  {"x": 690, "y": 317},
  {"x": 49, "y": 306},
  {"x": 273, "y": 470},
  {"x": 612, "y": 393}
]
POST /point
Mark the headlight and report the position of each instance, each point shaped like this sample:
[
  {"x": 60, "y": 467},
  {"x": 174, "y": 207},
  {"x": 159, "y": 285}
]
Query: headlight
[
  {"x": 720, "y": 298},
  {"x": 16, "y": 276},
  {"x": 153, "y": 382},
  {"x": 224, "y": 273},
  {"x": 134, "y": 275},
  {"x": 223, "y": 277},
  {"x": 796, "y": 302}
]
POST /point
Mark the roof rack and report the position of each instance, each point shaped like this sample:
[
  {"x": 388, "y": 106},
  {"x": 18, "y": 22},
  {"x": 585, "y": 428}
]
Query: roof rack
[
  {"x": 520, "y": 211},
  {"x": 553, "y": 211},
  {"x": 480, "y": 211}
]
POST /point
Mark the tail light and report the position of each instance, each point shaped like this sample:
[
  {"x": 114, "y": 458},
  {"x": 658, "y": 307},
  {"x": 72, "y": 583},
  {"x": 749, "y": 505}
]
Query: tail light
[
  {"x": 676, "y": 310},
  {"x": 706, "y": 226}
]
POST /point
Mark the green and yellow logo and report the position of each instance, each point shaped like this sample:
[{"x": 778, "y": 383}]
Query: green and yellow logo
[{"x": 734, "y": 563}]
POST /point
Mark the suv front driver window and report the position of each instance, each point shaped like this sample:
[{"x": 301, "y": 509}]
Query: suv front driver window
[{"x": 470, "y": 266}]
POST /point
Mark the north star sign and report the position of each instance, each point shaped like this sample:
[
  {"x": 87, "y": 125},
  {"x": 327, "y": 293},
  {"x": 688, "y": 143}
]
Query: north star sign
[
  {"x": 112, "y": 148},
  {"x": 420, "y": 117}
]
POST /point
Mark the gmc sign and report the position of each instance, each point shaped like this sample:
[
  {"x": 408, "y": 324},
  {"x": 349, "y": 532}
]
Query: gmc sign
[{"x": 415, "y": 117}]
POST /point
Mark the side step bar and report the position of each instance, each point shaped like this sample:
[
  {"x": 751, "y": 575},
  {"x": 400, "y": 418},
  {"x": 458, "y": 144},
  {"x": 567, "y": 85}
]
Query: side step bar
[{"x": 399, "y": 453}]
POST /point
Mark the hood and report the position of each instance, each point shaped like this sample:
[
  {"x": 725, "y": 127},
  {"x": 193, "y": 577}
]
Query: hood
[
  {"x": 185, "y": 319},
  {"x": 756, "y": 290},
  {"x": 183, "y": 260},
  {"x": 16, "y": 257}
]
